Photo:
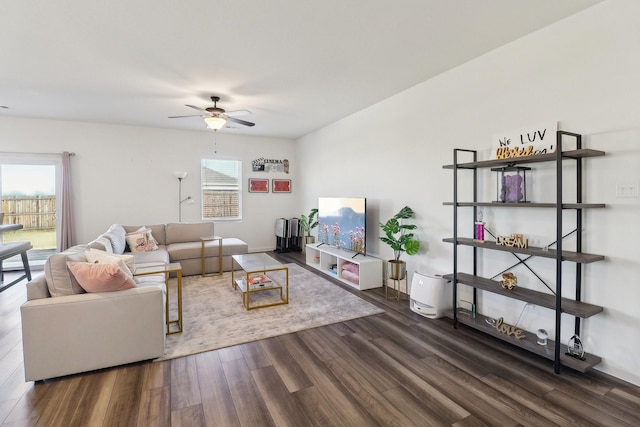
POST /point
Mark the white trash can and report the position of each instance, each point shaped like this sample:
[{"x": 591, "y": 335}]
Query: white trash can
[{"x": 430, "y": 295}]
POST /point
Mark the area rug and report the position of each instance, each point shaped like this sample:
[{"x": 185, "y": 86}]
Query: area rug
[{"x": 214, "y": 317}]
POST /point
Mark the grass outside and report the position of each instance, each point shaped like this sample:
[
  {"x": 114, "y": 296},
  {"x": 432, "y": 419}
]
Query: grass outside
[{"x": 40, "y": 239}]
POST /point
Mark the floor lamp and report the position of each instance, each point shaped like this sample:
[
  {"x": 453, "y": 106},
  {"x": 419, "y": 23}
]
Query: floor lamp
[{"x": 189, "y": 200}]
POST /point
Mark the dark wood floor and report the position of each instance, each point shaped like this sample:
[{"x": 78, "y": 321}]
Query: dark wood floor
[{"x": 395, "y": 368}]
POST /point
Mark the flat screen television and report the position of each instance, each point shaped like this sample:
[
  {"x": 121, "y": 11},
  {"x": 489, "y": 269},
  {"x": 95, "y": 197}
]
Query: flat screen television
[{"x": 341, "y": 222}]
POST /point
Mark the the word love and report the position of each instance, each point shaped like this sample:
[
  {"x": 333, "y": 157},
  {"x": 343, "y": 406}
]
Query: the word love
[{"x": 507, "y": 329}]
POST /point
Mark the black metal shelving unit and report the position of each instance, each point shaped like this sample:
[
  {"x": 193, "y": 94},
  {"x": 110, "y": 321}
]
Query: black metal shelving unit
[{"x": 555, "y": 302}]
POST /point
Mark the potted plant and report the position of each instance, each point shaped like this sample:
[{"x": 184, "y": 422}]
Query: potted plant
[
  {"x": 401, "y": 240},
  {"x": 308, "y": 223}
]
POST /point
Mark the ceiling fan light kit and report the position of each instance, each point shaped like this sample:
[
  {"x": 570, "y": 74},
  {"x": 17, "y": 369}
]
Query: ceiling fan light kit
[
  {"x": 216, "y": 117},
  {"x": 215, "y": 122}
]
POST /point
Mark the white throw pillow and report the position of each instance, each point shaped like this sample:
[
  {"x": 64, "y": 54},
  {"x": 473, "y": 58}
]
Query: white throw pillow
[
  {"x": 125, "y": 262},
  {"x": 116, "y": 236},
  {"x": 141, "y": 240}
]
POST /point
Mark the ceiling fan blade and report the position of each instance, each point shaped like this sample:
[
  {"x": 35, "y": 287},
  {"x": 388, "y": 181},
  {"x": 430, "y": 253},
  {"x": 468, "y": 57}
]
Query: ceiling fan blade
[
  {"x": 179, "y": 117},
  {"x": 242, "y": 122},
  {"x": 197, "y": 108},
  {"x": 238, "y": 113}
]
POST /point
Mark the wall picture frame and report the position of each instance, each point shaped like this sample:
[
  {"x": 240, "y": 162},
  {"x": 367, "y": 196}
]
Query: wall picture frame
[
  {"x": 281, "y": 185},
  {"x": 257, "y": 185}
]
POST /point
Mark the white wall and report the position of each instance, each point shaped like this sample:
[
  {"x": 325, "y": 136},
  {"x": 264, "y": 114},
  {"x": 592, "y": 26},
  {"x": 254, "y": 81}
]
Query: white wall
[
  {"x": 583, "y": 72},
  {"x": 125, "y": 174}
]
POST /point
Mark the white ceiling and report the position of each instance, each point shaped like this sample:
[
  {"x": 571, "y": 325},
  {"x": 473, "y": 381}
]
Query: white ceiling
[{"x": 296, "y": 65}]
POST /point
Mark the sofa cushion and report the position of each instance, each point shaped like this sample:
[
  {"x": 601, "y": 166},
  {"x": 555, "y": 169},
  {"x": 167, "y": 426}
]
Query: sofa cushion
[
  {"x": 100, "y": 277},
  {"x": 190, "y": 250},
  {"x": 180, "y": 251},
  {"x": 188, "y": 232},
  {"x": 150, "y": 279},
  {"x": 233, "y": 246},
  {"x": 60, "y": 281},
  {"x": 126, "y": 262},
  {"x": 157, "y": 230},
  {"x": 159, "y": 256}
]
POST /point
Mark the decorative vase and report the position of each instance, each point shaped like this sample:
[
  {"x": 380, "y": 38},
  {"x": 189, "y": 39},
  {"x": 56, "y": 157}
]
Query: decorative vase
[
  {"x": 307, "y": 240},
  {"x": 396, "y": 270}
]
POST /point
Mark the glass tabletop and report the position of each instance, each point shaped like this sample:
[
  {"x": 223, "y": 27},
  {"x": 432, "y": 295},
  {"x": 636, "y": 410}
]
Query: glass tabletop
[
  {"x": 208, "y": 238},
  {"x": 156, "y": 268},
  {"x": 256, "y": 262}
]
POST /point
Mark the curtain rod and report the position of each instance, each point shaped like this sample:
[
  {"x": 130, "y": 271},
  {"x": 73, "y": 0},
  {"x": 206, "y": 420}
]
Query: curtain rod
[{"x": 34, "y": 154}]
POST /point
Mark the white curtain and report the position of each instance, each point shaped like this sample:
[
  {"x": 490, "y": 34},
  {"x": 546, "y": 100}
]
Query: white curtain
[{"x": 67, "y": 232}]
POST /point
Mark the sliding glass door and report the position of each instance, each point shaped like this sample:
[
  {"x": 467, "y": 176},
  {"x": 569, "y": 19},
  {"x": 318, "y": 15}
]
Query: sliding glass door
[{"x": 30, "y": 192}]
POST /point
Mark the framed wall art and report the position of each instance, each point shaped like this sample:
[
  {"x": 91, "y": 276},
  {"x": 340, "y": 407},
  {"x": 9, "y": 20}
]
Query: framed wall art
[
  {"x": 281, "y": 185},
  {"x": 257, "y": 185}
]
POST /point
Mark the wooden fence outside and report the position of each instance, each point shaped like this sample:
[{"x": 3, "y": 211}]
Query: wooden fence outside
[{"x": 33, "y": 212}]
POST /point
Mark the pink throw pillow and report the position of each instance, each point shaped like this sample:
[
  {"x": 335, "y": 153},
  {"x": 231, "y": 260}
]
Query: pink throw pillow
[{"x": 100, "y": 277}]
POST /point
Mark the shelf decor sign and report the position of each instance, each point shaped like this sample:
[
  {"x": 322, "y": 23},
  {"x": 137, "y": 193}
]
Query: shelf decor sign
[{"x": 529, "y": 141}]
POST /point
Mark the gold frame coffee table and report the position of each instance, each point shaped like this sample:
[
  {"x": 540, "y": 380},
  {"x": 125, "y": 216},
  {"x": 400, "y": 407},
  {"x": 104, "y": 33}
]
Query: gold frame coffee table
[
  {"x": 166, "y": 269},
  {"x": 253, "y": 264}
]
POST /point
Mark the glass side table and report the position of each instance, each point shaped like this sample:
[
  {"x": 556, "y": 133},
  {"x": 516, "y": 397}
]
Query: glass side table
[
  {"x": 204, "y": 240},
  {"x": 166, "y": 269}
]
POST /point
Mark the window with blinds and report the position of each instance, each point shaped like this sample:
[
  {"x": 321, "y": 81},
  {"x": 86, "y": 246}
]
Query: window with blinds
[{"x": 221, "y": 189}]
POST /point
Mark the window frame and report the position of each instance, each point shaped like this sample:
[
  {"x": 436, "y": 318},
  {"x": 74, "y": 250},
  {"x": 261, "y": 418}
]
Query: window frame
[{"x": 204, "y": 188}]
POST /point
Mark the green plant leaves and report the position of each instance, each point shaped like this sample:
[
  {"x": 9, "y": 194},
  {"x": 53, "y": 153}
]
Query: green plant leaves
[
  {"x": 396, "y": 234},
  {"x": 412, "y": 247},
  {"x": 309, "y": 223}
]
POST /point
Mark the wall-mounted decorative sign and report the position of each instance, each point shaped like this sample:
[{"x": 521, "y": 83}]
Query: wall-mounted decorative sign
[
  {"x": 281, "y": 185},
  {"x": 531, "y": 140},
  {"x": 258, "y": 185},
  {"x": 270, "y": 165}
]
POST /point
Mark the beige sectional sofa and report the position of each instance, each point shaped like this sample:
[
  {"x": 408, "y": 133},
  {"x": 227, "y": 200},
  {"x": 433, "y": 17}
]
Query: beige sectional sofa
[
  {"x": 177, "y": 242},
  {"x": 66, "y": 330}
]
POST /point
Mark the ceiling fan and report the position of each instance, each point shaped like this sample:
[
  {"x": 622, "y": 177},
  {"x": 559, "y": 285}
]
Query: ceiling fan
[{"x": 216, "y": 117}]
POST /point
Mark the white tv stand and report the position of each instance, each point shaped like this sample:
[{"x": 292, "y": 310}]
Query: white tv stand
[{"x": 323, "y": 257}]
